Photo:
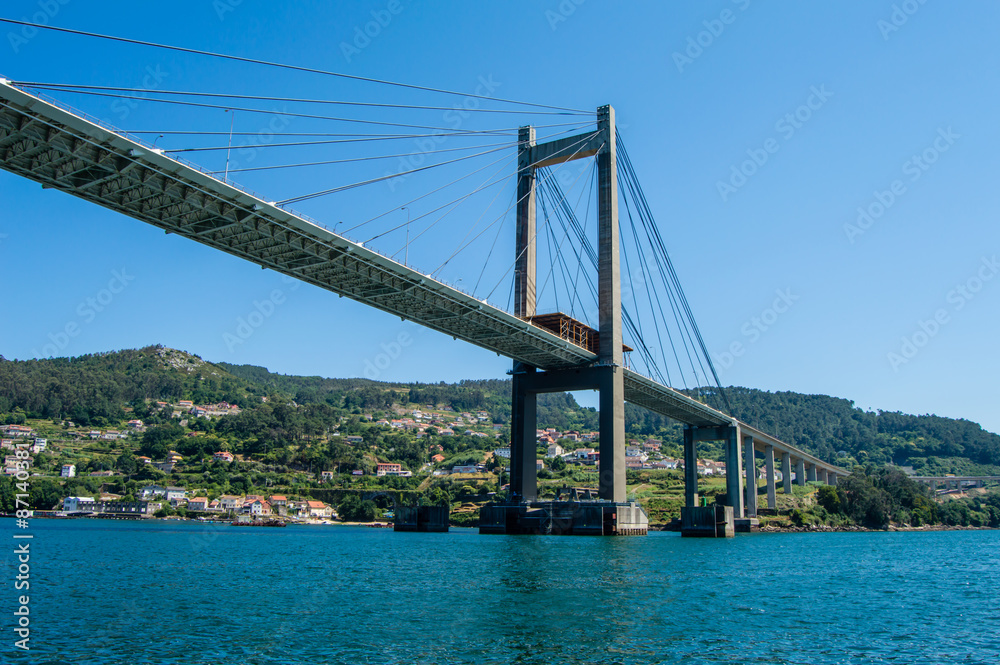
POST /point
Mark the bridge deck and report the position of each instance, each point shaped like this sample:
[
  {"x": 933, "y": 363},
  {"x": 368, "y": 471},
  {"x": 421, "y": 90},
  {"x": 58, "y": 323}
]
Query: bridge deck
[{"x": 61, "y": 149}]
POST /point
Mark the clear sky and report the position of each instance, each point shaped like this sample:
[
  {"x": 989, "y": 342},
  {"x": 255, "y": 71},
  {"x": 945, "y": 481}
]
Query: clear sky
[{"x": 823, "y": 174}]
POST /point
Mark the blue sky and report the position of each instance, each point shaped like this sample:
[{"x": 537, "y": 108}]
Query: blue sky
[{"x": 823, "y": 175}]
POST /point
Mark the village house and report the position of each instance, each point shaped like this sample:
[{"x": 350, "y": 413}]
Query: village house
[
  {"x": 326, "y": 476},
  {"x": 437, "y": 459},
  {"x": 229, "y": 502},
  {"x": 387, "y": 468},
  {"x": 73, "y": 504},
  {"x": 319, "y": 510},
  {"x": 68, "y": 471},
  {"x": 279, "y": 504},
  {"x": 223, "y": 456},
  {"x": 152, "y": 491},
  {"x": 199, "y": 503},
  {"x": 353, "y": 440},
  {"x": 257, "y": 507}
]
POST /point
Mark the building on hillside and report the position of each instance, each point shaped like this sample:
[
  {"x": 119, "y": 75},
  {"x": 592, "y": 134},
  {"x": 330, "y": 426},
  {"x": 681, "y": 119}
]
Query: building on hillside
[
  {"x": 633, "y": 462},
  {"x": 468, "y": 468},
  {"x": 385, "y": 468},
  {"x": 502, "y": 452},
  {"x": 326, "y": 476},
  {"x": 223, "y": 456},
  {"x": 257, "y": 507},
  {"x": 185, "y": 404},
  {"x": 199, "y": 503},
  {"x": 68, "y": 471},
  {"x": 230, "y": 502},
  {"x": 151, "y": 491},
  {"x": 554, "y": 450},
  {"x": 74, "y": 504},
  {"x": 319, "y": 510},
  {"x": 354, "y": 440},
  {"x": 437, "y": 459}
]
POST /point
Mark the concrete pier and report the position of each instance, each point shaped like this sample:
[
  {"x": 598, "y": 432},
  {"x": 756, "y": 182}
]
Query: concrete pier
[
  {"x": 772, "y": 499},
  {"x": 734, "y": 468},
  {"x": 786, "y": 473},
  {"x": 751, "y": 471},
  {"x": 564, "y": 518},
  {"x": 708, "y": 522},
  {"x": 800, "y": 472},
  {"x": 420, "y": 518},
  {"x": 690, "y": 468}
]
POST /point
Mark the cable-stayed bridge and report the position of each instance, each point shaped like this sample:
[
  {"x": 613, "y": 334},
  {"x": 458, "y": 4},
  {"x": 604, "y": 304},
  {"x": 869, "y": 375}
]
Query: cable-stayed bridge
[{"x": 62, "y": 149}]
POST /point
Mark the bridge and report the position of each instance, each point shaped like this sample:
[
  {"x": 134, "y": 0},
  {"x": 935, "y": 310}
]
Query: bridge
[
  {"x": 48, "y": 142},
  {"x": 955, "y": 483}
]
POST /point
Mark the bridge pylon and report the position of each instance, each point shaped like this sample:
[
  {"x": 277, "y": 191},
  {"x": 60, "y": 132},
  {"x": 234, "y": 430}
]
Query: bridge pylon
[{"x": 606, "y": 375}]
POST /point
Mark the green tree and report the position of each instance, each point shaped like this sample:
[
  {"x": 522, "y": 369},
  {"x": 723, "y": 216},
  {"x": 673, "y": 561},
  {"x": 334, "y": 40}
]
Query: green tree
[{"x": 126, "y": 464}]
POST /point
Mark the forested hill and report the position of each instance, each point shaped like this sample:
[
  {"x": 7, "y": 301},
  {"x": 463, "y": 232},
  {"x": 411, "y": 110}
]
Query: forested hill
[
  {"x": 830, "y": 426},
  {"x": 96, "y": 389}
]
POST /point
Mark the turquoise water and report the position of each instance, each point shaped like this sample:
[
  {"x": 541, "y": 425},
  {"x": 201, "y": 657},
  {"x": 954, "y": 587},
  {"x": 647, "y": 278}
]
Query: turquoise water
[{"x": 111, "y": 592}]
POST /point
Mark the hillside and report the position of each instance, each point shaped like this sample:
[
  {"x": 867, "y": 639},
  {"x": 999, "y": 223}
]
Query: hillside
[{"x": 280, "y": 410}]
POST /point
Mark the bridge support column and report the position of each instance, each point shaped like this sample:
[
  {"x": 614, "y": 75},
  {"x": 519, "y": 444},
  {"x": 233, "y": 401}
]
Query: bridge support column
[
  {"x": 609, "y": 281},
  {"x": 831, "y": 479},
  {"x": 821, "y": 475},
  {"x": 734, "y": 470},
  {"x": 750, "y": 460},
  {"x": 800, "y": 472},
  {"x": 786, "y": 472},
  {"x": 523, "y": 442},
  {"x": 772, "y": 500},
  {"x": 690, "y": 467},
  {"x": 611, "y": 418},
  {"x": 811, "y": 472}
]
